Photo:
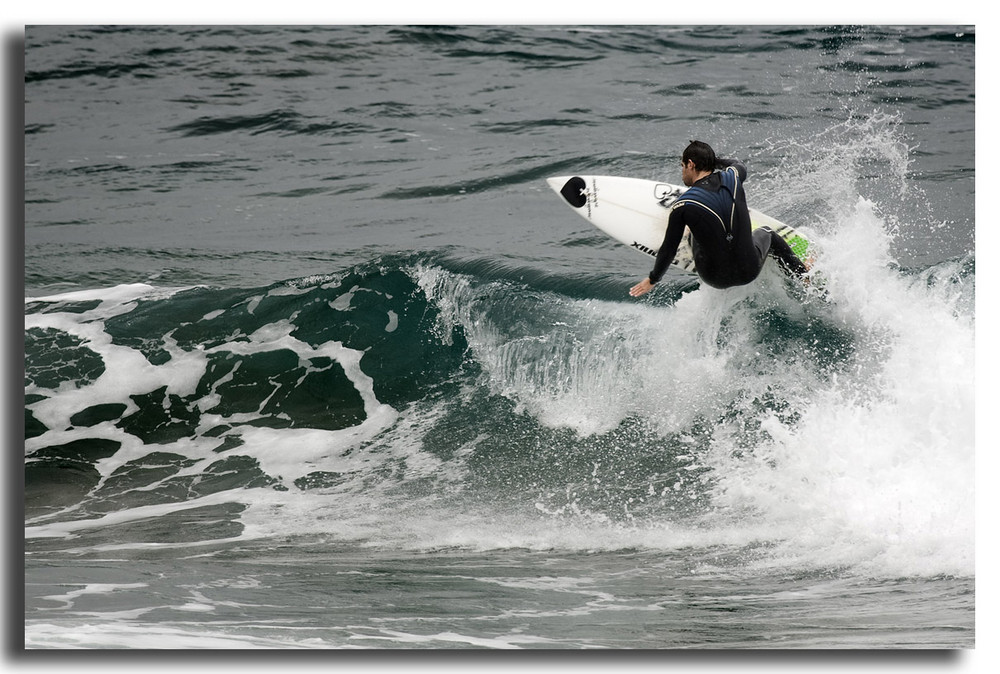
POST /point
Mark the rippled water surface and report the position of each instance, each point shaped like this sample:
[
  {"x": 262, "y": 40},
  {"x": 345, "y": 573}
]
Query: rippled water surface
[{"x": 315, "y": 358}]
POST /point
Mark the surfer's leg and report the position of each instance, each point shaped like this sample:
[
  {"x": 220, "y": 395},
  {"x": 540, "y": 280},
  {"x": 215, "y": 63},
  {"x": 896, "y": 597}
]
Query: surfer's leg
[
  {"x": 780, "y": 251},
  {"x": 761, "y": 238}
]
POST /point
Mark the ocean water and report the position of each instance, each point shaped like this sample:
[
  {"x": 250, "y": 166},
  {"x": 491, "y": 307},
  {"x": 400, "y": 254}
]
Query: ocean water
[{"x": 314, "y": 358}]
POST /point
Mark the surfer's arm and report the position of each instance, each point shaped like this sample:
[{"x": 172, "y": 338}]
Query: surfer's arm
[
  {"x": 723, "y": 164},
  {"x": 668, "y": 249}
]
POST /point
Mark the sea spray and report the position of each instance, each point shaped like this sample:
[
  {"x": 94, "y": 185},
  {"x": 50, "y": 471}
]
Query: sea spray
[
  {"x": 559, "y": 464},
  {"x": 876, "y": 471}
]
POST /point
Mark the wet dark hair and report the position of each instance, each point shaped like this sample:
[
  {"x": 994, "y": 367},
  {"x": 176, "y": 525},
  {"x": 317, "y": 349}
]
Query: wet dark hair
[{"x": 701, "y": 154}]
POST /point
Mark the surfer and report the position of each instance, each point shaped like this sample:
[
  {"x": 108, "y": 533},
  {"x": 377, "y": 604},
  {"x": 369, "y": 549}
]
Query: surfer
[{"x": 726, "y": 252}]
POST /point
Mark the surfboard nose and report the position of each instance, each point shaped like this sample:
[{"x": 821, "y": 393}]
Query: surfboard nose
[
  {"x": 557, "y": 182},
  {"x": 572, "y": 189}
]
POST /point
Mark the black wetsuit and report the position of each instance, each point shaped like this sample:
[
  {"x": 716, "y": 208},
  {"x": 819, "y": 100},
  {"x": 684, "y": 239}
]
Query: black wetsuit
[{"x": 726, "y": 252}]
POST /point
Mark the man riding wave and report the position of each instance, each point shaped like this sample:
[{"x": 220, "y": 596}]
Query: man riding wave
[{"x": 727, "y": 252}]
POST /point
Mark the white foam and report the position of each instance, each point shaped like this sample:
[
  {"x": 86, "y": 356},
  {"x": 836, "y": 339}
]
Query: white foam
[
  {"x": 117, "y": 295},
  {"x": 69, "y": 599},
  {"x": 605, "y": 362},
  {"x": 66, "y": 528},
  {"x": 446, "y": 639},
  {"x": 102, "y": 633},
  {"x": 870, "y": 467},
  {"x": 314, "y": 449},
  {"x": 128, "y": 372},
  {"x": 877, "y": 473},
  {"x": 873, "y": 473}
]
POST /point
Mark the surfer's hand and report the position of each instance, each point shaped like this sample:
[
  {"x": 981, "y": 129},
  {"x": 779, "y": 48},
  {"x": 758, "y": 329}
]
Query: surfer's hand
[{"x": 641, "y": 288}]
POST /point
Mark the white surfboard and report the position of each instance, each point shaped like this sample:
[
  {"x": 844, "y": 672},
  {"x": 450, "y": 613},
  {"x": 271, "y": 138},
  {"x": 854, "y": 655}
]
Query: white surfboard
[{"x": 635, "y": 212}]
